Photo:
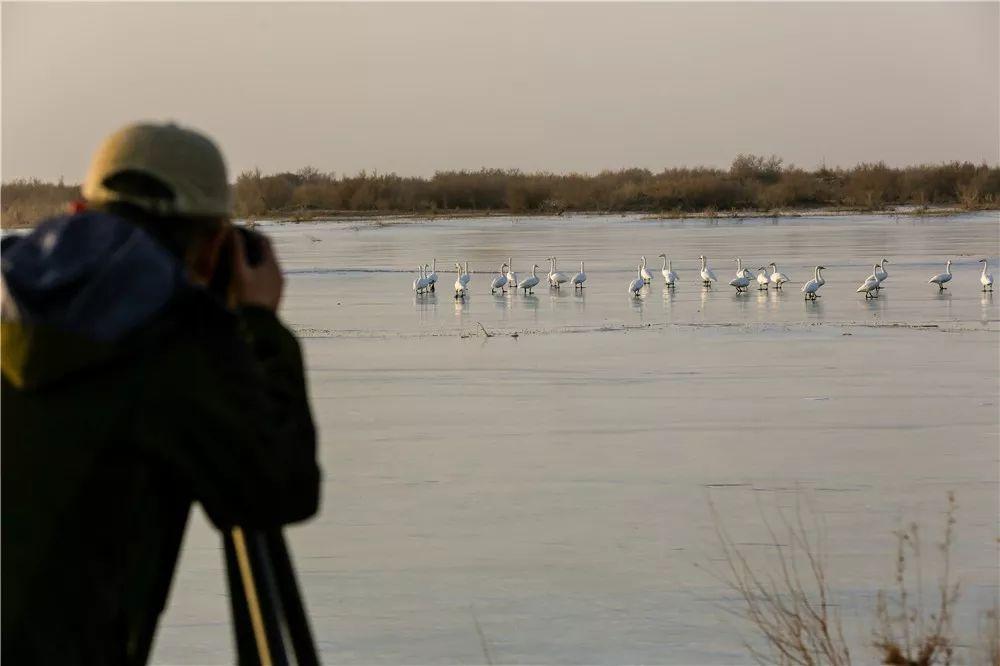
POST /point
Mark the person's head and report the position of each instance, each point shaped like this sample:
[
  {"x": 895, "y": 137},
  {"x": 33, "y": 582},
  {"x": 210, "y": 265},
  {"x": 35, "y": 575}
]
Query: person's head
[{"x": 172, "y": 182}]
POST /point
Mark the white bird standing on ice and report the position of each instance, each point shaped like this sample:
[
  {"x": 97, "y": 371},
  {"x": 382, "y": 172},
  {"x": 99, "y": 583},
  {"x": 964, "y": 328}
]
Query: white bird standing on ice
[
  {"x": 810, "y": 288},
  {"x": 579, "y": 278},
  {"x": 636, "y": 285},
  {"x": 986, "y": 279},
  {"x": 459, "y": 285},
  {"x": 556, "y": 278},
  {"x": 868, "y": 286},
  {"x": 528, "y": 283},
  {"x": 881, "y": 273},
  {"x": 762, "y": 280},
  {"x": 511, "y": 276},
  {"x": 777, "y": 279},
  {"x": 500, "y": 281},
  {"x": 941, "y": 278},
  {"x": 742, "y": 272},
  {"x": 740, "y": 283},
  {"x": 643, "y": 273},
  {"x": 433, "y": 277},
  {"x": 421, "y": 283},
  {"x": 707, "y": 276},
  {"x": 465, "y": 277},
  {"x": 669, "y": 276}
]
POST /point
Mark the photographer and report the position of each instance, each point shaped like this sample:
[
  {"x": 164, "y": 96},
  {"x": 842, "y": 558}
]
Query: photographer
[{"x": 144, "y": 368}]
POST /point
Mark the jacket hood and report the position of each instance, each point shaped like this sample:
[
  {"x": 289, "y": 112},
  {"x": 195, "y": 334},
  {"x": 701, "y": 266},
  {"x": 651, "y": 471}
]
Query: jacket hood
[{"x": 73, "y": 288}]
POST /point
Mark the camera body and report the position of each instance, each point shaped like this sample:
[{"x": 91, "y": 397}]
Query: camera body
[{"x": 223, "y": 284}]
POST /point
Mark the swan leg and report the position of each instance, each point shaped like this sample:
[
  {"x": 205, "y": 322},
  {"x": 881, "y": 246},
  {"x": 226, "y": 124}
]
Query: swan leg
[{"x": 432, "y": 287}]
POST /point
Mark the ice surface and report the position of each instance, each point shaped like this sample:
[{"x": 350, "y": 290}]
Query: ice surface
[{"x": 553, "y": 487}]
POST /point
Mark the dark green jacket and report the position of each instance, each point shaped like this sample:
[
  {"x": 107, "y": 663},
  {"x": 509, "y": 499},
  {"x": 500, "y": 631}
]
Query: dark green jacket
[{"x": 109, "y": 435}]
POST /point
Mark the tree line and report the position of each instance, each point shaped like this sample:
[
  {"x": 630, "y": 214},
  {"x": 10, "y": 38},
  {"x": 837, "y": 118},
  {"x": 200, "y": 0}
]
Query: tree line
[{"x": 752, "y": 182}]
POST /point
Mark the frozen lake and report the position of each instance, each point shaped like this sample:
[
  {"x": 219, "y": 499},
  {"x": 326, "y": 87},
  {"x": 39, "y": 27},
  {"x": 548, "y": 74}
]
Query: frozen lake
[{"x": 552, "y": 488}]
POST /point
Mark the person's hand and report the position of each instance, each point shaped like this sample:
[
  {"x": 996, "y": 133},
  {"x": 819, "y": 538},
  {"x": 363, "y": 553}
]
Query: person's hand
[{"x": 259, "y": 285}]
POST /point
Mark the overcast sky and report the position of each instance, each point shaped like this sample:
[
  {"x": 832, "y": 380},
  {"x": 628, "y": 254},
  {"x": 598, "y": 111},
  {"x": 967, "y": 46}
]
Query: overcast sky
[{"x": 414, "y": 88}]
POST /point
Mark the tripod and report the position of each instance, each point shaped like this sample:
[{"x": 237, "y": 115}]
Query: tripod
[{"x": 268, "y": 615}]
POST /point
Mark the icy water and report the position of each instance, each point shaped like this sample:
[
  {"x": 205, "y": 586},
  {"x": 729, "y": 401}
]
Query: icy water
[{"x": 544, "y": 498}]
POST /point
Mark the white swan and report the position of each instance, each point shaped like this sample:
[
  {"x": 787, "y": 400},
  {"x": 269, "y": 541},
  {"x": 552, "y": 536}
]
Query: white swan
[
  {"x": 986, "y": 279},
  {"x": 511, "y": 276},
  {"x": 777, "y": 279},
  {"x": 460, "y": 286},
  {"x": 669, "y": 276},
  {"x": 643, "y": 273},
  {"x": 881, "y": 273},
  {"x": 636, "y": 285},
  {"x": 868, "y": 286},
  {"x": 742, "y": 272},
  {"x": 466, "y": 277},
  {"x": 707, "y": 276},
  {"x": 810, "y": 288},
  {"x": 528, "y": 283},
  {"x": 941, "y": 278},
  {"x": 500, "y": 281},
  {"x": 579, "y": 278},
  {"x": 762, "y": 279},
  {"x": 740, "y": 283},
  {"x": 421, "y": 283},
  {"x": 433, "y": 277},
  {"x": 556, "y": 278}
]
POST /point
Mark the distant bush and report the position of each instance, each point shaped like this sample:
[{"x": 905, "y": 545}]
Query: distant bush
[
  {"x": 752, "y": 182},
  {"x": 24, "y": 202}
]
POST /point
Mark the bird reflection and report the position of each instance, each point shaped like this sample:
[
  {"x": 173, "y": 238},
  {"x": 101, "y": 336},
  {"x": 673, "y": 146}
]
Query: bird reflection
[{"x": 814, "y": 308}]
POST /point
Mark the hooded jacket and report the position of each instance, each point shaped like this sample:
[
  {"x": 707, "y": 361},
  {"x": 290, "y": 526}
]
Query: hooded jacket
[{"x": 128, "y": 394}]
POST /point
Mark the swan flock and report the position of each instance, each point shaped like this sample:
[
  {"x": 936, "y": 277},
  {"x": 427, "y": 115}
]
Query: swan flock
[{"x": 505, "y": 279}]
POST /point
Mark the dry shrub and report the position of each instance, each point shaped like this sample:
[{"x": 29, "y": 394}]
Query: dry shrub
[
  {"x": 25, "y": 202},
  {"x": 989, "y": 634},
  {"x": 753, "y": 182},
  {"x": 908, "y": 634},
  {"x": 790, "y": 607}
]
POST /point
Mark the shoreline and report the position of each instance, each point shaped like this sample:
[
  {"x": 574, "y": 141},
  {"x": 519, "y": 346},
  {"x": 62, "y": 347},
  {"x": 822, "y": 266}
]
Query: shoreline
[{"x": 385, "y": 218}]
